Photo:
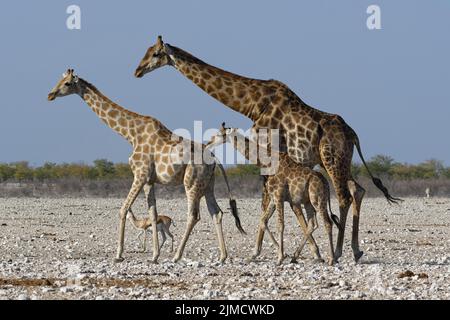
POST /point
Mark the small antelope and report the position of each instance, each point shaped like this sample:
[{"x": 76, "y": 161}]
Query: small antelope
[{"x": 163, "y": 224}]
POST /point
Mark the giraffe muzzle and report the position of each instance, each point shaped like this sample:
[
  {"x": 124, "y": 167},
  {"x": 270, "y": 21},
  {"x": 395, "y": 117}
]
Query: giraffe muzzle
[
  {"x": 139, "y": 73},
  {"x": 51, "y": 96}
]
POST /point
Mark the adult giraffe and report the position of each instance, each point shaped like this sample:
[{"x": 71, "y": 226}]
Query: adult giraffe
[
  {"x": 154, "y": 160},
  {"x": 310, "y": 136}
]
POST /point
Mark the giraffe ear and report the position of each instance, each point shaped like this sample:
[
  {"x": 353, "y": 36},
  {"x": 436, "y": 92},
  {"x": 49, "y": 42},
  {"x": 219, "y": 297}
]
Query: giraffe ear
[
  {"x": 75, "y": 79},
  {"x": 160, "y": 41}
]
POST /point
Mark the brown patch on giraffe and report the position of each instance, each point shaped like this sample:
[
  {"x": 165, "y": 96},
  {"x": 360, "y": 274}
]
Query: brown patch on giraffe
[
  {"x": 223, "y": 97},
  {"x": 137, "y": 156},
  {"x": 229, "y": 91},
  {"x": 278, "y": 114},
  {"x": 205, "y": 76},
  {"x": 217, "y": 83},
  {"x": 123, "y": 122},
  {"x": 161, "y": 168}
]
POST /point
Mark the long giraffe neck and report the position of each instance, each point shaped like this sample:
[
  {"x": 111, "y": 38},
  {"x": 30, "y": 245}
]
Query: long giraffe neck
[
  {"x": 249, "y": 149},
  {"x": 237, "y": 92},
  {"x": 114, "y": 116}
]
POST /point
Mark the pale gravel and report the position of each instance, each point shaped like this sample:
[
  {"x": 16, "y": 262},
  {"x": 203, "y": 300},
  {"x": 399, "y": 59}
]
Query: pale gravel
[{"x": 74, "y": 242}]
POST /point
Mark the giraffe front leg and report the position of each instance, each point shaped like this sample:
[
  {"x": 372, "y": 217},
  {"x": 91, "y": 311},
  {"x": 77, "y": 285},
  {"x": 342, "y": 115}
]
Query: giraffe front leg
[
  {"x": 312, "y": 225},
  {"x": 216, "y": 213},
  {"x": 193, "y": 218},
  {"x": 280, "y": 211},
  {"x": 138, "y": 183},
  {"x": 149, "y": 190},
  {"x": 303, "y": 225},
  {"x": 264, "y": 219}
]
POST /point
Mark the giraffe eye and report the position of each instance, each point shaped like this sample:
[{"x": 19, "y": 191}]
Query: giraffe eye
[
  {"x": 67, "y": 84},
  {"x": 156, "y": 54}
]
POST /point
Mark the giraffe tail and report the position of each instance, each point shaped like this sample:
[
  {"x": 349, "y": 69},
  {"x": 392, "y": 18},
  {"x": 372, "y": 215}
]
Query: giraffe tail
[
  {"x": 233, "y": 205},
  {"x": 376, "y": 181},
  {"x": 333, "y": 217}
]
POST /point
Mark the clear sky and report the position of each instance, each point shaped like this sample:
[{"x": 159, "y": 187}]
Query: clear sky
[{"x": 391, "y": 85}]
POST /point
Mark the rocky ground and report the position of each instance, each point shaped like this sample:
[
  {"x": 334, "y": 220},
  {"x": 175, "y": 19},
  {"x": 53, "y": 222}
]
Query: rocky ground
[{"x": 64, "y": 249}]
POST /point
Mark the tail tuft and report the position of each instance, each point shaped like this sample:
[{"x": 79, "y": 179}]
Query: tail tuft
[
  {"x": 234, "y": 212},
  {"x": 377, "y": 182}
]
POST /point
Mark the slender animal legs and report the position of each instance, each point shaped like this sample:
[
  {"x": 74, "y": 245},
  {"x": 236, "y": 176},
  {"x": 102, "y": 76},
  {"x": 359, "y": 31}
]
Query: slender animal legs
[
  {"x": 280, "y": 209},
  {"x": 216, "y": 213},
  {"x": 138, "y": 183},
  {"x": 357, "y": 193},
  {"x": 268, "y": 210},
  {"x": 193, "y": 218},
  {"x": 149, "y": 190},
  {"x": 302, "y": 223}
]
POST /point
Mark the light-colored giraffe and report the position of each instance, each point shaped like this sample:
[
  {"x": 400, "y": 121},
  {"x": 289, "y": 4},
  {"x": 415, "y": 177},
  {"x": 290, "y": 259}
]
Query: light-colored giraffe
[
  {"x": 292, "y": 183},
  {"x": 163, "y": 224},
  {"x": 310, "y": 136},
  {"x": 153, "y": 160}
]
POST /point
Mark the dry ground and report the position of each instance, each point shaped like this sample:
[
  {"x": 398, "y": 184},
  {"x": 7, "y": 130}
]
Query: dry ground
[{"x": 63, "y": 248}]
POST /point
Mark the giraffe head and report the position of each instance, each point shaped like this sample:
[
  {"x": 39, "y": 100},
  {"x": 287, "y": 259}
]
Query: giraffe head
[
  {"x": 66, "y": 86},
  {"x": 155, "y": 57},
  {"x": 224, "y": 135}
]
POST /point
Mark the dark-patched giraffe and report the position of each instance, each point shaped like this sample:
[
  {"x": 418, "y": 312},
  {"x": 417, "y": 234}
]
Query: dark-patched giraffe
[
  {"x": 154, "y": 161},
  {"x": 310, "y": 136},
  {"x": 290, "y": 182}
]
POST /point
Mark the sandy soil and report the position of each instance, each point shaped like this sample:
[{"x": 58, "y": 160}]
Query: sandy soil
[{"x": 64, "y": 249}]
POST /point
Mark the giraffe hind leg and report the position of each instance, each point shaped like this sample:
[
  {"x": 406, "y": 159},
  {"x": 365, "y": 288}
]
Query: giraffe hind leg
[{"x": 357, "y": 192}]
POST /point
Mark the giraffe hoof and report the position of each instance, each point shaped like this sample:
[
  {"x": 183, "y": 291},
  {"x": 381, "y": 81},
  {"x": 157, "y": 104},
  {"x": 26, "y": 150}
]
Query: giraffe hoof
[
  {"x": 222, "y": 260},
  {"x": 154, "y": 261},
  {"x": 294, "y": 260},
  {"x": 358, "y": 256},
  {"x": 118, "y": 260}
]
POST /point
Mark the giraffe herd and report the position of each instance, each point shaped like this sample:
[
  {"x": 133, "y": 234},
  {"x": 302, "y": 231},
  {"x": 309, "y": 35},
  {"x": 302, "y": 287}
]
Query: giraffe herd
[{"x": 308, "y": 137}]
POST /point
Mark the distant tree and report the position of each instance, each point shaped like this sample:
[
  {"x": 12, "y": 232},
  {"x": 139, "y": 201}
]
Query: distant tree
[
  {"x": 105, "y": 168},
  {"x": 123, "y": 170},
  {"x": 380, "y": 165},
  {"x": 46, "y": 172},
  {"x": 356, "y": 169},
  {"x": 7, "y": 172},
  {"x": 243, "y": 170},
  {"x": 431, "y": 169},
  {"x": 23, "y": 172}
]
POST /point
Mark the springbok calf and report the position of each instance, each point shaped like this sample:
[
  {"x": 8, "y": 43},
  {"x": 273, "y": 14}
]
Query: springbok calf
[{"x": 163, "y": 224}]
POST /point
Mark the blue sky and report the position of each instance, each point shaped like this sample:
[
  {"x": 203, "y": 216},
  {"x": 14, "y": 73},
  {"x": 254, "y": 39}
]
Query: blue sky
[{"x": 391, "y": 85}]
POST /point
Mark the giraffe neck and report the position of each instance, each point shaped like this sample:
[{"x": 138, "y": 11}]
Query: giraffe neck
[
  {"x": 249, "y": 149},
  {"x": 235, "y": 91},
  {"x": 114, "y": 116}
]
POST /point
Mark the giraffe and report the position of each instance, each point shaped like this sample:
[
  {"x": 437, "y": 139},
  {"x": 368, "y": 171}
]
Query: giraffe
[
  {"x": 163, "y": 224},
  {"x": 311, "y": 137},
  {"x": 292, "y": 183},
  {"x": 153, "y": 162}
]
